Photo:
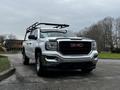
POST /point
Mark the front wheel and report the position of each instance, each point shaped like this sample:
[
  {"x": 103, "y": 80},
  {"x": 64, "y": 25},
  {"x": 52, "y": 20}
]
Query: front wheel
[
  {"x": 25, "y": 59},
  {"x": 39, "y": 66}
]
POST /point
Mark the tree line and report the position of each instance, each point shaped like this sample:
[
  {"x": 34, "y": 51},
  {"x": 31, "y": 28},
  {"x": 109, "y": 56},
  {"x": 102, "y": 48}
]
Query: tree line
[{"x": 106, "y": 32}]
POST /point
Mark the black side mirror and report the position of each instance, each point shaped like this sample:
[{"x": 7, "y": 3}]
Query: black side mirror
[{"x": 32, "y": 37}]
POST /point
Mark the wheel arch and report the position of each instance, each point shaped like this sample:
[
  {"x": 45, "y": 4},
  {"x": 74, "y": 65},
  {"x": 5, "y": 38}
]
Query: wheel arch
[
  {"x": 23, "y": 50},
  {"x": 37, "y": 49}
]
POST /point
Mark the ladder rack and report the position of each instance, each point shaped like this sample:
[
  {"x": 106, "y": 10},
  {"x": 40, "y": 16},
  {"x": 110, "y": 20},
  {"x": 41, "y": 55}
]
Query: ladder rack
[{"x": 34, "y": 26}]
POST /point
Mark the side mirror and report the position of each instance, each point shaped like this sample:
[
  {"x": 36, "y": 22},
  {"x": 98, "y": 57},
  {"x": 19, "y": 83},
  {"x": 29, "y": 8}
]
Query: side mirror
[{"x": 32, "y": 37}]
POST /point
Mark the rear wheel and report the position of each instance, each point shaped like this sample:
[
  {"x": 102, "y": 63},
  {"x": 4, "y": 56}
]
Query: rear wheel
[
  {"x": 25, "y": 59},
  {"x": 39, "y": 66}
]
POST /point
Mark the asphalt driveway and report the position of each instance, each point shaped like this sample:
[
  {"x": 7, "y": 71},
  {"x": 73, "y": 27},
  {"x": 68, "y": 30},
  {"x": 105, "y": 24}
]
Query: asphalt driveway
[{"x": 105, "y": 77}]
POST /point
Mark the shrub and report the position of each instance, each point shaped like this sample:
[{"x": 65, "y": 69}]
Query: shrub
[{"x": 116, "y": 50}]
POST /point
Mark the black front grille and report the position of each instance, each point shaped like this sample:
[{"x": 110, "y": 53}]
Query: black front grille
[{"x": 74, "y": 47}]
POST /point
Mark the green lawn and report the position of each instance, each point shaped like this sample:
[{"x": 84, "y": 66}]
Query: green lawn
[
  {"x": 4, "y": 63},
  {"x": 105, "y": 55}
]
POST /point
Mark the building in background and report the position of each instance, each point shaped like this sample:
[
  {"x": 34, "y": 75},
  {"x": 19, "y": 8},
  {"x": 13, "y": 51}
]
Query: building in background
[{"x": 13, "y": 45}]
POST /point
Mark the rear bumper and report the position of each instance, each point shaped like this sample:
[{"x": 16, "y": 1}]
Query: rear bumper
[{"x": 56, "y": 60}]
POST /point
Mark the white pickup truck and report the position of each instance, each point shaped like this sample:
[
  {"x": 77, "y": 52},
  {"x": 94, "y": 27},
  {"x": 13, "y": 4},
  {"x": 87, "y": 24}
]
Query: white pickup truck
[{"x": 54, "y": 48}]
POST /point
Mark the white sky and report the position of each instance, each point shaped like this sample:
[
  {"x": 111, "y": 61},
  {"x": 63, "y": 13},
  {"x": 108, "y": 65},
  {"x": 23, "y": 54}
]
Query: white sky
[{"x": 16, "y": 15}]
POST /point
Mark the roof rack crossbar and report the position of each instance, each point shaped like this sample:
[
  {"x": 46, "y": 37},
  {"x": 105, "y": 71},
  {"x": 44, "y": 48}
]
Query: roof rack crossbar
[{"x": 34, "y": 26}]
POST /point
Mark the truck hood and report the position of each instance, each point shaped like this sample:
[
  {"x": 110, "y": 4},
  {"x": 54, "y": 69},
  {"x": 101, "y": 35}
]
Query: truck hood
[{"x": 69, "y": 38}]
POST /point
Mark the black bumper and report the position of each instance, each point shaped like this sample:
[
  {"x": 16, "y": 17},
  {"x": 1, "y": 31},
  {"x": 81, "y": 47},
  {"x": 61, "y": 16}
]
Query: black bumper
[{"x": 71, "y": 65}]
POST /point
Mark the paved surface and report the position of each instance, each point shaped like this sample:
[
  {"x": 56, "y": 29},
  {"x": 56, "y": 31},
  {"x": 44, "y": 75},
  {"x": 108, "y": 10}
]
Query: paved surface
[{"x": 105, "y": 77}]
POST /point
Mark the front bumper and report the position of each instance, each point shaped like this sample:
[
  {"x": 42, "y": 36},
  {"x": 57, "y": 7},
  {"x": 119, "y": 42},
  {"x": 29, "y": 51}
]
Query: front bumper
[{"x": 55, "y": 59}]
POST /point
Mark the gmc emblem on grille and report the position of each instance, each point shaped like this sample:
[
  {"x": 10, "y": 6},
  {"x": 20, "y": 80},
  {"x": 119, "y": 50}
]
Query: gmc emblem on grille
[{"x": 76, "y": 45}]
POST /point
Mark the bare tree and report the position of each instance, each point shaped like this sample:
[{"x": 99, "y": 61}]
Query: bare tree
[
  {"x": 117, "y": 33},
  {"x": 11, "y": 36},
  {"x": 102, "y": 33},
  {"x": 2, "y": 37}
]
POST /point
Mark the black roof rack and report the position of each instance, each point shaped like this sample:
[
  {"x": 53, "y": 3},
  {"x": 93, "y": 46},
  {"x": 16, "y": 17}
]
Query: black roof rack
[{"x": 34, "y": 26}]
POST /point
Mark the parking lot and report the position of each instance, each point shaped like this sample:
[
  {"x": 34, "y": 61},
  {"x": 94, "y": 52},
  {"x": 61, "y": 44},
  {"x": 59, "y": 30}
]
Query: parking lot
[{"x": 105, "y": 77}]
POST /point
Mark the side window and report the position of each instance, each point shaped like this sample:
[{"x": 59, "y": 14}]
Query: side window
[{"x": 35, "y": 33}]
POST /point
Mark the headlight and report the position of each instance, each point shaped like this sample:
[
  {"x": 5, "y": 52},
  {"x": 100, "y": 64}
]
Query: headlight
[
  {"x": 51, "y": 45},
  {"x": 94, "y": 46}
]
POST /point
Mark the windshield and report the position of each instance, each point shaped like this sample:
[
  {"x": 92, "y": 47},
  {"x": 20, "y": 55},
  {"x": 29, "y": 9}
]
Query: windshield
[{"x": 55, "y": 34}]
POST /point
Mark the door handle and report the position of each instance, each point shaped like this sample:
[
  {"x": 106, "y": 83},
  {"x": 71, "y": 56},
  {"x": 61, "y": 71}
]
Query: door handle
[{"x": 29, "y": 43}]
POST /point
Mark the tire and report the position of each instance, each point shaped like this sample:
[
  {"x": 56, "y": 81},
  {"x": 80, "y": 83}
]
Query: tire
[
  {"x": 25, "y": 59},
  {"x": 39, "y": 66},
  {"x": 86, "y": 70}
]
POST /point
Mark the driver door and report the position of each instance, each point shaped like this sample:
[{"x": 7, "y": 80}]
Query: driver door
[{"x": 33, "y": 43}]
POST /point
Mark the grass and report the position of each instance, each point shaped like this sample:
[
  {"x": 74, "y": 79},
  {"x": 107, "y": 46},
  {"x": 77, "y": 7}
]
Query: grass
[
  {"x": 105, "y": 55},
  {"x": 4, "y": 63}
]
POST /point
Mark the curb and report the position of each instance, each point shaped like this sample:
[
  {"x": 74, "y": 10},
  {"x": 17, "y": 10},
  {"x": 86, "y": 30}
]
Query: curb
[
  {"x": 108, "y": 59},
  {"x": 5, "y": 74}
]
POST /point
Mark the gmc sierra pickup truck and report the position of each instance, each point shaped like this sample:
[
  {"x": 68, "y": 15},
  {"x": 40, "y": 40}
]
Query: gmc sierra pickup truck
[{"x": 54, "y": 48}]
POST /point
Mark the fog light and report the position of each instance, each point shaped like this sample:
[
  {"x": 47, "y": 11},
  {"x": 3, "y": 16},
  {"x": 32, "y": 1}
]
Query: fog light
[{"x": 51, "y": 58}]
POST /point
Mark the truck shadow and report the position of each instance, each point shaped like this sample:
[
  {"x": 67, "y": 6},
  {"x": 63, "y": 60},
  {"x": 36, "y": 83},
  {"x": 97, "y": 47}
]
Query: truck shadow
[
  {"x": 62, "y": 73},
  {"x": 66, "y": 73}
]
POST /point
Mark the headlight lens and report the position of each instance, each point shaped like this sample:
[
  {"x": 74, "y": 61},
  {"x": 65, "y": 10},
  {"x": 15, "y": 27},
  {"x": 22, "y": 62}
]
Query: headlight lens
[
  {"x": 51, "y": 45},
  {"x": 94, "y": 46}
]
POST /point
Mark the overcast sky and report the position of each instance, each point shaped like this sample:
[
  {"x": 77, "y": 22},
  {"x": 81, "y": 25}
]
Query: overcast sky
[{"x": 16, "y": 15}]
